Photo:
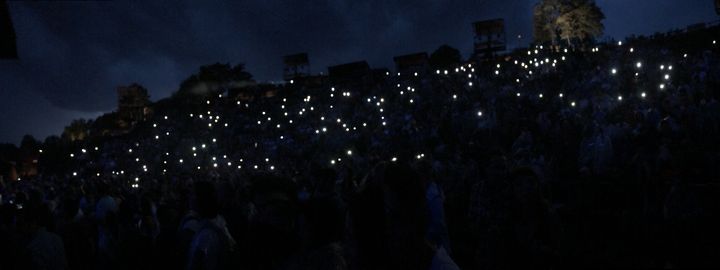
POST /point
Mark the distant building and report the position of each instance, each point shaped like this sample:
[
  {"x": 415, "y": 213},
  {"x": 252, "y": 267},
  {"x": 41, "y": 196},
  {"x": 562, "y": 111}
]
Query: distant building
[
  {"x": 133, "y": 103},
  {"x": 296, "y": 66},
  {"x": 8, "y": 45},
  {"x": 354, "y": 73},
  {"x": 408, "y": 65},
  {"x": 489, "y": 38}
]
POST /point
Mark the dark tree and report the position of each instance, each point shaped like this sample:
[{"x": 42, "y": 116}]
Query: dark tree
[
  {"x": 29, "y": 143},
  {"x": 213, "y": 79},
  {"x": 77, "y": 130},
  {"x": 545, "y": 14},
  {"x": 572, "y": 21},
  {"x": 581, "y": 21},
  {"x": 445, "y": 57}
]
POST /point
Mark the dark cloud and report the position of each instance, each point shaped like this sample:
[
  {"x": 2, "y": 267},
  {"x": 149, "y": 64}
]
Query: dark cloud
[{"x": 73, "y": 54}]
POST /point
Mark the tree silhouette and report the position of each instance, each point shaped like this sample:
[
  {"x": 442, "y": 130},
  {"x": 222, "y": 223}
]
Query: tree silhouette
[
  {"x": 572, "y": 21},
  {"x": 445, "y": 57},
  {"x": 212, "y": 79},
  {"x": 581, "y": 21},
  {"x": 545, "y": 14},
  {"x": 77, "y": 130}
]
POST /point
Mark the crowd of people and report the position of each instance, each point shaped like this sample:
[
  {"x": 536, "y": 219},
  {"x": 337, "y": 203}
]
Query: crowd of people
[{"x": 549, "y": 157}]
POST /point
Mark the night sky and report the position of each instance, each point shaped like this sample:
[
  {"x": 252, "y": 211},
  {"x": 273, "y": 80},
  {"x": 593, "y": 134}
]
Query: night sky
[{"x": 73, "y": 54}]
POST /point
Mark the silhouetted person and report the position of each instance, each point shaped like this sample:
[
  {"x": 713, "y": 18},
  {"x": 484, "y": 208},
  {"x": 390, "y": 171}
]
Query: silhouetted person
[
  {"x": 390, "y": 223},
  {"x": 211, "y": 244},
  {"x": 41, "y": 249},
  {"x": 325, "y": 224}
]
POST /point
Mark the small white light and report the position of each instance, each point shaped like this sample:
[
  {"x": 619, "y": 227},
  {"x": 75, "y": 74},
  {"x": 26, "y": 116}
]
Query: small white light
[
  {"x": 638, "y": 65},
  {"x": 613, "y": 71},
  {"x": 479, "y": 113},
  {"x": 572, "y": 104},
  {"x": 642, "y": 94},
  {"x": 619, "y": 98}
]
